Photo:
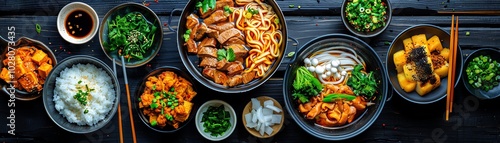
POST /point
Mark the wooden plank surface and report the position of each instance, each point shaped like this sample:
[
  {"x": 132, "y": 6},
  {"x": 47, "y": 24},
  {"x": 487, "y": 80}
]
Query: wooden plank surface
[{"x": 400, "y": 121}]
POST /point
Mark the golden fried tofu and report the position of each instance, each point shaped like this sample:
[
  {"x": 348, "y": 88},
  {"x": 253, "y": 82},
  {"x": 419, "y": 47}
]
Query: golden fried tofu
[
  {"x": 44, "y": 70},
  {"x": 29, "y": 81},
  {"x": 39, "y": 57},
  {"x": 5, "y": 75}
]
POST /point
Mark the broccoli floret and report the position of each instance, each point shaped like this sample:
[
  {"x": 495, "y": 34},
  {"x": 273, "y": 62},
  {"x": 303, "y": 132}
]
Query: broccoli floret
[{"x": 305, "y": 85}]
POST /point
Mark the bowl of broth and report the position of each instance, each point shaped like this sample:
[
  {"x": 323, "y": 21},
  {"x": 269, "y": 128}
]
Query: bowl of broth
[{"x": 77, "y": 22}]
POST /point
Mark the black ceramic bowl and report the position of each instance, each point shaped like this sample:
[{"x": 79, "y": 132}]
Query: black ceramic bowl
[
  {"x": 373, "y": 63},
  {"x": 481, "y": 94},
  {"x": 23, "y": 41},
  {"x": 48, "y": 94},
  {"x": 140, "y": 90},
  {"x": 122, "y": 10},
  {"x": 191, "y": 61},
  {"x": 364, "y": 33},
  {"x": 436, "y": 94}
]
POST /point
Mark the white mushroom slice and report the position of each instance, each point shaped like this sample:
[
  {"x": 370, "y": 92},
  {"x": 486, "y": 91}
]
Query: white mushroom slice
[
  {"x": 343, "y": 73},
  {"x": 335, "y": 63},
  {"x": 307, "y": 61},
  {"x": 314, "y": 62},
  {"x": 320, "y": 69}
]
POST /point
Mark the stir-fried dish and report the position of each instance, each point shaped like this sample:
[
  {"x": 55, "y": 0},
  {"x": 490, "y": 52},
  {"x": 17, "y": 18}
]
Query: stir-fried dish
[
  {"x": 167, "y": 99},
  {"x": 27, "y": 68},
  {"x": 334, "y": 88},
  {"x": 236, "y": 40}
]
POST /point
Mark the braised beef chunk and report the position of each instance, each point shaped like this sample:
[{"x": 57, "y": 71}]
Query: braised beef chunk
[
  {"x": 209, "y": 73},
  {"x": 205, "y": 14},
  {"x": 220, "y": 78},
  {"x": 191, "y": 46},
  {"x": 248, "y": 76},
  {"x": 235, "y": 80},
  {"x": 224, "y": 36},
  {"x": 235, "y": 40},
  {"x": 212, "y": 33},
  {"x": 200, "y": 32},
  {"x": 239, "y": 50},
  {"x": 222, "y": 64},
  {"x": 207, "y": 52},
  {"x": 208, "y": 62},
  {"x": 208, "y": 42},
  {"x": 216, "y": 17},
  {"x": 192, "y": 21},
  {"x": 235, "y": 68},
  {"x": 222, "y": 26}
]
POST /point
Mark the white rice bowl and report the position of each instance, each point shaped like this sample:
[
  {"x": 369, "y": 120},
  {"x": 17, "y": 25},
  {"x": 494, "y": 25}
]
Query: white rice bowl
[{"x": 100, "y": 101}]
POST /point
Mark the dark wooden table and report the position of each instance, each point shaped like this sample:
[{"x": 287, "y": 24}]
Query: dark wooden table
[{"x": 473, "y": 120}]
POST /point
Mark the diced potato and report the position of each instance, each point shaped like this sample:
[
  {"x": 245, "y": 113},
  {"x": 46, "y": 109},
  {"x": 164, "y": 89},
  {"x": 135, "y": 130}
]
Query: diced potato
[
  {"x": 410, "y": 71},
  {"x": 20, "y": 70},
  {"x": 39, "y": 57},
  {"x": 424, "y": 88},
  {"x": 445, "y": 53},
  {"x": 419, "y": 40},
  {"x": 399, "y": 60},
  {"x": 406, "y": 84},
  {"x": 434, "y": 43},
  {"x": 442, "y": 71},
  {"x": 44, "y": 70},
  {"x": 408, "y": 44}
]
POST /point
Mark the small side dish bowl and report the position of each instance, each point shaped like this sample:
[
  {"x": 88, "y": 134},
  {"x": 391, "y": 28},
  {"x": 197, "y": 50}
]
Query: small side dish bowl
[
  {"x": 121, "y": 11},
  {"x": 5, "y": 48},
  {"x": 366, "y": 16},
  {"x": 397, "y": 45},
  {"x": 204, "y": 108},
  {"x": 142, "y": 86},
  {"x": 50, "y": 85},
  {"x": 276, "y": 127},
  {"x": 75, "y": 11},
  {"x": 479, "y": 93}
]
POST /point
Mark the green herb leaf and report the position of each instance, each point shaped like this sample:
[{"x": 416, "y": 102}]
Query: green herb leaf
[
  {"x": 186, "y": 35},
  {"x": 221, "y": 54},
  {"x": 230, "y": 55}
]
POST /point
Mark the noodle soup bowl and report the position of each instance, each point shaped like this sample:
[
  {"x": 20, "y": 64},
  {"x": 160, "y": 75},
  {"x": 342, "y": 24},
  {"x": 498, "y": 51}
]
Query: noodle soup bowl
[
  {"x": 364, "y": 119},
  {"x": 192, "y": 61}
]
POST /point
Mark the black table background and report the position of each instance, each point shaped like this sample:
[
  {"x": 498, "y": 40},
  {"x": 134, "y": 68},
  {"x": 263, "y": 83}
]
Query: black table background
[{"x": 474, "y": 120}]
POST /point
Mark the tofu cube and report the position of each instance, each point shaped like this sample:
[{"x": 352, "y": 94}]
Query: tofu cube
[
  {"x": 39, "y": 57},
  {"x": 44, "y": 70}
]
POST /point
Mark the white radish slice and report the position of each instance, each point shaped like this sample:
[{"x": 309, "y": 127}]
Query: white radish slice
[
  {"x": 266, "y": 112},
  {"x": 262, "y": 129},
  {"x": 268, "y": 102},
  {"x": 274, "y": 108},
  {"x": 269, "y": 130},
  {"x": 258, "y": 126},
  {"x": 254, "y": 116},
  {"x": 255, "y": 103},
  {"x": 251, "y": 125},
  {"x": 248, "y": 117},
  {"x": 276, "y": 118}
]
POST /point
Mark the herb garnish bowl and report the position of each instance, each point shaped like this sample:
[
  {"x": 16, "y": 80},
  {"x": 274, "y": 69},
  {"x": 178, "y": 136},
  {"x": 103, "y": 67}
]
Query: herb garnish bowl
[
  {"x": 357, "y": 18},
  {"x": 367, "y": 117},
  {"x": 203, "y": 109},
  {"x": 48, "y": 94},
  {"x": 108, "y": 28},
  {"x": 479, "y": 93}
]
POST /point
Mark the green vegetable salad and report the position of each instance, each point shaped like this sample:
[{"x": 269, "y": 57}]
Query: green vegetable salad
[
  {"x": 366, "y": 15},
  {"x": 132, "y": 35}
]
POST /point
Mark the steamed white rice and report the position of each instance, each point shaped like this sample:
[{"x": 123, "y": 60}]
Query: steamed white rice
[{"x": 101, "y": 98}]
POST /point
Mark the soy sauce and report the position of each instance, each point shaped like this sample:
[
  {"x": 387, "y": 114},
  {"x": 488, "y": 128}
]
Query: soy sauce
[{"x": 78, "y": 24}]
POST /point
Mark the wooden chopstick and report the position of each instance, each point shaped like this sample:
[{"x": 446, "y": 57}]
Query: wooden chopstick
[
  {"x": 120, "y": 126},
  {"x": 128, "y": 100},
  {"x": 454, "y": 64},
  {"x": 451, "y": 70}
]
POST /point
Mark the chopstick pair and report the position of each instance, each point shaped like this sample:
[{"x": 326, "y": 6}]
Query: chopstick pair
[
  {"x": 128, "y": 101},
  {"x": 452, "y": 64}
]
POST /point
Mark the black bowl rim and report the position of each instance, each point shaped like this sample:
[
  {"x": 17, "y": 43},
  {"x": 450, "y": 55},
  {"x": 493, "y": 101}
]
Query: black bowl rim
[
  {"x": 43, "y": 47},
  {"x": 103, "y": 23},
  {"x": 302, "y": 125},
  {"x": 361, "y": 34},
  {"x": 192, "y": 69},
  {"x": 138, "y": 93},
  {"x": 464, "y": 74},
  {"x": 387, "y": 59},
  {"x": 104, "y": 67}
]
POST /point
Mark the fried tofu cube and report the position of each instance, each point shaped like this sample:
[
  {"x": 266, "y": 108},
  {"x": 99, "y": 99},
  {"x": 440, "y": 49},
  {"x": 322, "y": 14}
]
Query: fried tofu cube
[
  {"x": 445, "y": 53},
  {"x": 399, "y": 60},
  {"x": 39, "y": 57},
  {"x": 406, "y": 85},
  {"x": 410, "y": 71},
  {"x": 434, "y": 44},
  {"x": 20, "y": 69},
  {"x": 424, "y": 88},
  {"x": 183, "y": 111},
  {"x": 44, "y": 70},
  {"x": 29, "y": 81},
  {"x": 5, "y": 75},
  {"x": 442, "y": 71},
  {"x": 408, "y": 44},
  {"x": 190, "y": 94},
  {"x": 419, "y": 40}
]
